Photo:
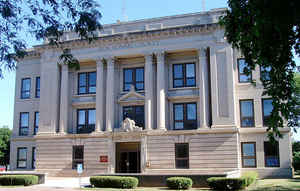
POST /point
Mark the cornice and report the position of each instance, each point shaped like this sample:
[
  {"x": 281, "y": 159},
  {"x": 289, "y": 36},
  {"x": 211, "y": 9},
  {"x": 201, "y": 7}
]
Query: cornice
[{"x": 125, "y": 39}]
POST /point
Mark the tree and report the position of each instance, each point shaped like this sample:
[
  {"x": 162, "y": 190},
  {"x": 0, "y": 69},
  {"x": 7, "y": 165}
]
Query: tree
[
  {"x": 4, "y": 146},
  {"x": 44, "y": 19},
  {"x": 266, "y": 32}
]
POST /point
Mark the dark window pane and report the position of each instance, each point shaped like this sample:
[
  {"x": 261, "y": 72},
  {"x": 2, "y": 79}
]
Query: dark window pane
[
  {"x": 22, "y": 164},
  {"x": 190, "y": 70},
  {"x": 179, "y": 125},
  {"x": 127, "y": 87},
  {"x": 265, "y": 72},
  {"x": 247, "y": 113},
  {"x": 178, "y": 112},
  {"x": 92, "y": 117},
  {"x": 26, "y": 84},
  {"x": 135, "y": 113},
  {"x": 139, "y": 86},
  {"x": 78, "y": 152},
  {"x": 271, "y": 154},
  {"x": 248, "y": 149},
  {"x": 78, "y": 156},
  {"x": 82, "y": 90},
  {"x": 178, "y": 83},
  {"x": 178, "y": 71},
  {"x": 249, "y": 162},
  {"x": 267, "y": 110},
  {"x": 92, "y": 78},
  {"x": 190, "y": 124},
  {"x": 182, "y": 163},
  {"x": 81, "y": 117},
  {"x": 37, "y": 90},
  {"x": 82, "y": 79},
  {"x": 191, "y": 82},
  {"x": 140, "y": 75},
  {"x": 24, "y": 119},
  {"x": 22, "y": 154},
  {"x": 243, "y": 66},
  {"x": 191, "y": 112},
  {"x": 182, "y": 155},
  {"x": 182, "y": 150},
  {"x": 128, "y": 75},
  {"x": 22, "y": 158},
  {"x": 25, "y": 88}
]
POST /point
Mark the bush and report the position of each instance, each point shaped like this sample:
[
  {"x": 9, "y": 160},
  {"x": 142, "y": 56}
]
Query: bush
[
  {"x": 296, "y": 160},
  {"x": 222, "y": 183},
  {"x": 179, "y": 183},
  {"x": 8, "y": 180},
  {"x": 114, "y": 182}
]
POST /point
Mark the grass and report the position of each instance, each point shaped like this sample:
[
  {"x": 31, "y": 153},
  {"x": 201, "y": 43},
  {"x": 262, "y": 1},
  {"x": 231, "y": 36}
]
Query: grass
[{"x": 260, "y": 185}]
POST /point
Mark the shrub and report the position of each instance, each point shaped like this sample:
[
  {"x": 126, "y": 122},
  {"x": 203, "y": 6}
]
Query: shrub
[
  {"x": 7, "y": 180},
  {"x": 296, "y": 160},
  {"x": 179, "y": 183},
  {"x": 222, "y": 183},
  {"x": 114, "y": 182}
]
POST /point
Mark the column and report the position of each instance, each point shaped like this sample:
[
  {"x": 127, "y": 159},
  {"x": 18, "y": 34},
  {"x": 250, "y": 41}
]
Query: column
[
  {"x": 110, "y": 94},
  {"x": 99, "y": 96},
  {"x": 64, "y": 90},
  {"x": 161, "y": 94},
  {"x": 204, "y": 88},
  {"x": 148, "y": 91}
]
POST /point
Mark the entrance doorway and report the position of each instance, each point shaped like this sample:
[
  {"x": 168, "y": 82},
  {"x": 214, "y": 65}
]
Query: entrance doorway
[{"x": 128, "y": 157}]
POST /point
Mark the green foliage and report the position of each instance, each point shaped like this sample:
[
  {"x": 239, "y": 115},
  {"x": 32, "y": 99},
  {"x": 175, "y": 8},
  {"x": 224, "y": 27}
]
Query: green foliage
[
  {"x": 26, "y": 180},
  {"x": 44, "y": 19},
  {"x": 296, "y": 146},
  {"x": 222, "y": 183},
  {"x": 266, "y": 32},
  {"x": 296, "y": 160},
  {"x": 114, "y": 182},
  {"x": 297, "y": 81},
  {"x": 179, "y": 183},
  {"x": 4, "y": 146}
]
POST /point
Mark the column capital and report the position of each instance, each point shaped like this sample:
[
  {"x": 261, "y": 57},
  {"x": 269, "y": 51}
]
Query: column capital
[
  {"x": 149, "y": 58},
  {"x": 160, "y": 55},
  {"x": 202, "y": 51},
  {"x": 110, "y": 61}
]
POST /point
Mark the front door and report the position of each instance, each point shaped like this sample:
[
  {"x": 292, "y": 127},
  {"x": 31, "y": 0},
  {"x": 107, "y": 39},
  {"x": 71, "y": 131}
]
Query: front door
[{"x": 128, "y": 157}]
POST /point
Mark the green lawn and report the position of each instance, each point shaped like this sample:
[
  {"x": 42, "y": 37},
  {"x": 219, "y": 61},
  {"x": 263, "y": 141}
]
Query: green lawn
[{"x": 260, "y": 185}]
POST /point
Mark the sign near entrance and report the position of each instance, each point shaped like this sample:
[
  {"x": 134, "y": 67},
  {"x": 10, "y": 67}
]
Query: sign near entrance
[{"x": 104, "y": 158}]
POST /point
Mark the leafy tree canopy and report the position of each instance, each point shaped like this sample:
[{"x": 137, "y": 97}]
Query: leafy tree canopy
[
  {"x": 4, "y": 145},
  {"x": 42, "y": 19},
  {"x": 266, "y": 32}
]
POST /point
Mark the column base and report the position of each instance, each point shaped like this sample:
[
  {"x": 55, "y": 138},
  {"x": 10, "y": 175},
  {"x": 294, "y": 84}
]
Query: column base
[{"x": 97, "y": 133}]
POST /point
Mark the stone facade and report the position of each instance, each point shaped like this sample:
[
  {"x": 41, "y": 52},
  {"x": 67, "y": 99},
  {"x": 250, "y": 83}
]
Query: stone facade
[{"x": 156, "y": 45}]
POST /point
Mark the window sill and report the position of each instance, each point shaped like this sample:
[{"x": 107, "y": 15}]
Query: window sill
[
  {"x": 84, "y": 95},
  {"x": 183, "y": 88}
]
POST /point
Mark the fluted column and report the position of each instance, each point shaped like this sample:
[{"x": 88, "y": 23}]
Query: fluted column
[
  {"x": 148, "y": 91},
  {"x": 161, "y": 94},
  {"x": 110, "y": 94},
  {"x": 204, "y": 88},
  {"x": 99, "y": 96},
  {"x": 64, "y": 90}
]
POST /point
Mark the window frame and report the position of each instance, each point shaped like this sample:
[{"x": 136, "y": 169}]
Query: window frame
[
  {"x": 263, "y": 113},
  {"x": 185, "y": 114},
  {"x": 184, "y": 78},
  {"x": 36, "y": 126},
  {"x": 75, "y": 161},
  {"x": 87, "y": 83},
  {"x": 86, "y": 124},
  {"x": 18, "y": 157},
  {"x": 134, "y": 81},
  {"x": 24, "y": 91},
  {"x": 248, "y": 157},
  {"x": 239, "y": 74},
  {"x": 187, "y": 158},
  {"x": 134, "y": 106},
  {"x": 20, "y": 124},
  {"x": 33, "y": 158},
  {"x": 37, "y": 89},
  {"x": 278, "y": 154},
  {"x": 253, "y": 112}
]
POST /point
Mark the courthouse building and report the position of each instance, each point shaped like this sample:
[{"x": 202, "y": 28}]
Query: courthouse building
[{"x": 165, "y": 95}]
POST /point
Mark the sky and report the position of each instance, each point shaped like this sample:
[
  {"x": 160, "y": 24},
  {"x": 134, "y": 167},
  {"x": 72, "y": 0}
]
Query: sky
[{"x": 112, "y": 10}]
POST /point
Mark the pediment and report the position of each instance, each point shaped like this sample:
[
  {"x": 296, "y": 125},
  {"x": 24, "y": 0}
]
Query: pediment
[{"x": 132, "y": 96}]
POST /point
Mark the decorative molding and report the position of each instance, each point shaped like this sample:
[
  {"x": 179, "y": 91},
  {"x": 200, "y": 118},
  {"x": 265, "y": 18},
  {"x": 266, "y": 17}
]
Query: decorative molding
[{"x": 131, "y": 94}]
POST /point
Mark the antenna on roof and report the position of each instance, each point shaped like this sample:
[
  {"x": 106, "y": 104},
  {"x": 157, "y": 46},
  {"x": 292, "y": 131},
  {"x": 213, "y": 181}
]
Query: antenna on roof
[
  {"x": 125, "y": 18},
  {"x": 203, "y": 5}
]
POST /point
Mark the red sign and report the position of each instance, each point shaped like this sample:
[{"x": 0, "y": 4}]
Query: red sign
[{"x": 103, "y": 158}]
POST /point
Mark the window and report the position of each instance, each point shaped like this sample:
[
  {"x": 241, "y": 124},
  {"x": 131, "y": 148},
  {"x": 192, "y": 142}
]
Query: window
[
  {"x": 37, "y": 87},
  {"x": 25, "y": 88},
  {"x": 185, "y": 116},
  {"x": 242, "y": 66},
  {"x": 33, "y": 158},
  {"x": 265, "y": 73},
  {"x": 24, "y": 124},
  {"x": 36, "y": 122},
  {"x": 271, "y": 154},
  {"x": 249, "y": 155},
  {"x": 77, "y": 156},
  {"x": 182, "y": 155},
  {"x": 184, "y": 75},
  {"x": 22, "y": 157},
  {"x": 135, "y": 77},
  {"x": 267, "y": 108},
  {"x": 86, "y": 119},
  {"x": 247, "y": 113},
  {"x": 135, "y": 113},
  {"x": 87, "y": 83}
]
